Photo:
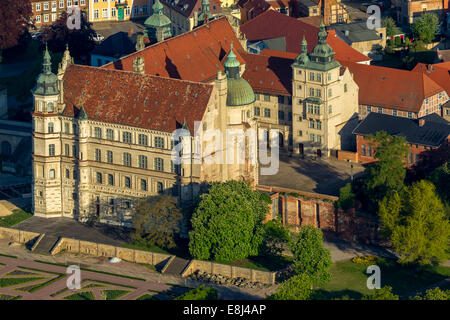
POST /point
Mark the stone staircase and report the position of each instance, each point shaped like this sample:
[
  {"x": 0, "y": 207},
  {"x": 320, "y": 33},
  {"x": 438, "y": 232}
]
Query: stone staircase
[
  {"x": 175, "y": 266},
  {"x": 45, "y": 244}
]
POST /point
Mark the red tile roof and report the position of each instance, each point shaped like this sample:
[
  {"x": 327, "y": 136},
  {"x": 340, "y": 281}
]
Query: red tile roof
[
  {"x": 134, "y": 99},
  {"x": 194, "y": 55},
  {"x": 439, "y": 72},
  {"x": 272, "y": 24},
  {"x": 392, "y": 88},
  {"x": 256, "y": 6}
]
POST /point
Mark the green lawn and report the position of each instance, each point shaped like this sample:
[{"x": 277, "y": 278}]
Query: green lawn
[
  {"x": 7, "y": 282},
  {"x": 349, "y": 278},
  {"x": 16, "y": 217},
  {"x": 114, "y": 294},
  {"x": 88, "y": 295}
]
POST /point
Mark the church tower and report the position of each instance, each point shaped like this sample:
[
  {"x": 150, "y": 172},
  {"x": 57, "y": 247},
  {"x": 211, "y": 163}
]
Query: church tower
[
  {"x": 206, "y": 13},
  {"x": 323, "y": 99},
  {"x": 46, "y": 143},
  {"x": 158, "y": 25}
]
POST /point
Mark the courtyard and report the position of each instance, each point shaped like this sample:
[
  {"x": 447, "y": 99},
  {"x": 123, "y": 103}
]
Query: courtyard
[{"x": 320, "y": 175}]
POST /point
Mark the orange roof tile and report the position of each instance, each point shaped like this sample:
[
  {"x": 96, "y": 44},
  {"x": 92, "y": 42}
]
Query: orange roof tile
[
  {"x": 194, "y": 55},
  {"x": 392, "y": 88},
  {"x": 134, "y": 99},
  {"x": 439, "y": 72},
  {"x": 272, "y": 24}
]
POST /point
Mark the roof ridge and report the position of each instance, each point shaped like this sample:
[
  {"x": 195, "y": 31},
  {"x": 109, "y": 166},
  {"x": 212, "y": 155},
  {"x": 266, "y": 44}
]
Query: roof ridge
[
  {"x": 165, "y": 41},
  {"x": 142, "y": 75}
]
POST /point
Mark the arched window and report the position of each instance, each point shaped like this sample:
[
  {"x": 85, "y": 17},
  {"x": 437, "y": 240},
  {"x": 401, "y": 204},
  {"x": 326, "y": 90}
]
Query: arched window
[{"x": 52, "y": 174}]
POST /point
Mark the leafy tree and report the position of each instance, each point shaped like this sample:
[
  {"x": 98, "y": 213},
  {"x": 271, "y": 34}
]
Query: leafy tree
[
  {"x": 414, "y": 220},
  {"x": 228, "y": 222},
  {"x": 310, "y": 256},
  {"x": 346, "y": 197},
  {"x": 275, "y": 238},
  {"x": 441, "y": 179},
  {"x": 297, "y": 287},
  {"x": 426, "y": 27},
  {"x": 433, "y": 294},
  {"x": 389, "y": 171},
  {"x": 199, "y": 293},
  {"x": 391, "y": 27},
  {"x": 81, "y": 41},
  {"x": 157, "y": 221},
  {"x": 15, "y": 18},
  {"x": 384, "y": 293}
]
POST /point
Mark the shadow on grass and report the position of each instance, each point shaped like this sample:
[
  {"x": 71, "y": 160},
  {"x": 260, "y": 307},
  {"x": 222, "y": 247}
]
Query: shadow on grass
[{"x": 321, "y": 294}]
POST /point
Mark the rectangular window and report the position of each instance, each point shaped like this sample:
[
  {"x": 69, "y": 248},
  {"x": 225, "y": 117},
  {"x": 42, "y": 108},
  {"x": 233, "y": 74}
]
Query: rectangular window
[
  {"x": 46, "y": 6},
  {"x": 105, "y": 13},
  {"x": 143, "y": 140},
  {"x": 330, "y": 93},
  {"x": 38, "y": 7},
  {"x": 110, "y": 179},
  {"x": 281, "y": 115},
  {"x": 345, "y": 87},
  {"x": 46, "y": 17},
  {"x": 330, "y": 109},
  {"x": 142, "y": 162},
  {"x": 143, "y": 185},
  {"x": 110, "y": 134},
  {"x": 319, "y": 138},
  {"x": 61, "y": 3},
  {"x": 51, "y": 149},
  {"x": 369, "y": 151},
  {"x": 311, "y": 137},
  {"x": 66, "y": 128},
  {"x": 126, "y": 137},
  {"x": 257, "y": 111},
  {"x": 329, "y": 78},
  {"x": 159, "y": 164},
  {"x": 99, "y": 177},
  {"x": 66, "y": 150},
  {"x": 109, "y": 156},
  {"x": 363, "y": 150},
  {"x": 410, "y": 158},
  {"x": 319, "y": 125},
  {"x": 127, "y": 182},
  {"x": 281, "y": 99},
  {"x": 380, "y": 110},
  {"x": 159, "y": 142},
  {"x": 311, "y": 76},
  {"x": 266, "y": 97},
  {"x": 319, "y": 77},
  {"x": 311, "y": 92},
  {"x": 98, "y": 155},
  {"x": 127, "y": 159},
  {"x": 318, "y": 93},
  {"x": 394, "y": 112},
  {"x": 369, "y": 109},
  {"x": 38, "y": 19},
  {"x": 266, "y": 112},
  {"x": 53, "y": 16},
  {"x": 300, "y": 133},
  {"x": 256, "y": 96},
  {"x": 113, "y": 12},
  {"x": 96, "y": 14},
  {"x": 98, "y": 132}
]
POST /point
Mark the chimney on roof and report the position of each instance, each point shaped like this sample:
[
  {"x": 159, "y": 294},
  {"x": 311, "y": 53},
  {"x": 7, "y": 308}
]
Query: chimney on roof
[
  {"x": 346, "y": 33},
  {"x": 139, "y": 65},
  {"x": 421, "y": 122},
  {"x": 430, "y": 68}
]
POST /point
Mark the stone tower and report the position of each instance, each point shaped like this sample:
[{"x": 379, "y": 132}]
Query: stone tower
[
  {"x": 46, "y": 143},
  {"x": 323, "y": 99}
]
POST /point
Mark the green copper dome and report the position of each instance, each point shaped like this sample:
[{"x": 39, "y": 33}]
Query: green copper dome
[
  {"x": 302, "y": 59},
  {"x": 47, "y": 82},
  {"x": 239, "y": 92},
  {"x": 322, "y": 56},
  {"x": 158, "y": 20}
]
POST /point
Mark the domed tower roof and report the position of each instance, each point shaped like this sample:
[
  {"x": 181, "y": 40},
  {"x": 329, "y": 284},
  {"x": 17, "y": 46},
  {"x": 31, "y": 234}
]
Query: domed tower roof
[
  {"x": 322, "y": 56},
  {"x": 302, "y": 59},
  {"x": 47, "y": 82},
  {"x": 239, "y": 92}
]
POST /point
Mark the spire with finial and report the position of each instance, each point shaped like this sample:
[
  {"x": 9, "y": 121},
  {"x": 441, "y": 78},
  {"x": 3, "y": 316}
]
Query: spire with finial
[
  {"x": 204, "y": 16},
  {"x": 302, "y": 59},
  {"x": 231, "y": 61},
  {"x": 322, "y": 33},
  {"x": 47, "y": 63},
  {"x": 157, "y": 7}
]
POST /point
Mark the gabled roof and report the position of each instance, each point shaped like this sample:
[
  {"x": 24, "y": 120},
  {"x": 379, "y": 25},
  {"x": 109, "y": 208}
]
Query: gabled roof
[
  {"x": 432, "y": 133},
  {"x": 194, "y": 55},
  {"x": 439, "y": 72},
  {"x": 392, "y": 88},
  {"x": 356, "y": 32},
  {"x": 187, "y": 7},
  {"x": 256, "y": 6},
  {"x": 272, "y": 24},
  {"x": 134, "y": 99}
]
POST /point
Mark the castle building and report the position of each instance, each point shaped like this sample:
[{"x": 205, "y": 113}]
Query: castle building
[{"x": 103, "y": 137}]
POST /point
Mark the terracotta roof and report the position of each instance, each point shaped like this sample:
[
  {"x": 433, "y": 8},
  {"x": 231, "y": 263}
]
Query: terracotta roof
[
  {"x": 256, "y": 6},
  {"x": 133, "y": 99},
  {"x": 187, "y": 7},
  {"x": 279, "y": 4},
  {"x": 194, "y": 55},
  {"x": 268, "y": 74},
  {"x": 439, "y": 72},
  {"x": 313, "y": 20},
  {"x": 392, "y": 88},
  {"x": 272, "y": 24}
]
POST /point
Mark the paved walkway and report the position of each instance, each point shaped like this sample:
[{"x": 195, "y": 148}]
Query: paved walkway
[{"x": 154, "y": 281}]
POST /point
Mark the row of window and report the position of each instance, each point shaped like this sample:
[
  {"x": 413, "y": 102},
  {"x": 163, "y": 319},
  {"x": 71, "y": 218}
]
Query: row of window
[
  {"x": 38, "y": 19},
  {"x": 46, "y": 5},
  {"x": 114, "y": 12},
  {"x": 380, "y": 110},
  {"x": 315, "y": 124},
  {"x": 315, "y": 138},
  {"x": 281, "y": 113}
]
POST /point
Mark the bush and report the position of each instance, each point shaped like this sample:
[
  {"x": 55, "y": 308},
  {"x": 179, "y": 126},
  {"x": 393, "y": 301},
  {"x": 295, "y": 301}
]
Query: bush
[
  {"x": 296, "y": 288},
  {"x": 199, "y": 293},
  {"x": 367, "y": 260},
  {"x": 275, "y": 237},
  {"x": 398, "y": 41},
  {"x": 346, "y": 197},
  {"x": 433, "y": 294},
  {"x": 384, "y": 293}
]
